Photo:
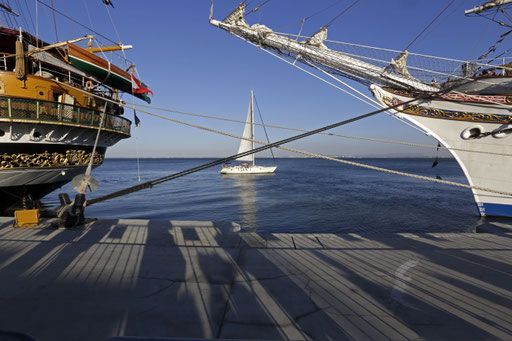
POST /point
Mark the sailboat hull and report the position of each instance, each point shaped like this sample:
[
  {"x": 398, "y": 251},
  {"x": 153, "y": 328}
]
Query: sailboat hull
[
  {"x": 470, "y": 129},
  {"x": 240, "y": 169}
]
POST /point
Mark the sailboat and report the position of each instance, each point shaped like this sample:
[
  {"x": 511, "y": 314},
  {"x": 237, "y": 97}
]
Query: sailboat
[
  {"x": 247, "y": 164},
  {"x": 465, "y": 105},
  {"x": 54, "y": 98}
]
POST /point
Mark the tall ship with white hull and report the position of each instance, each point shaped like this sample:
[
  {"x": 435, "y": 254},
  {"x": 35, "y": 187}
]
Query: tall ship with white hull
[
  {"x": 54, "y": 100},
  {"x": 465, "y": 105}
]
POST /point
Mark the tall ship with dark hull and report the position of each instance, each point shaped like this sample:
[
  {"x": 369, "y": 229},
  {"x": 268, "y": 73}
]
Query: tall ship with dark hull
[
  {"x": 54, "y": 101},
  {"x": 466, "y": 105}
]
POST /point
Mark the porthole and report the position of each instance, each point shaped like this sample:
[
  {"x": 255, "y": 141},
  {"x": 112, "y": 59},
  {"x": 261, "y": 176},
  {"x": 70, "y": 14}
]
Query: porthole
[
  {"x": 41, "y": 93},
  {"x": 471, "y": 133}
]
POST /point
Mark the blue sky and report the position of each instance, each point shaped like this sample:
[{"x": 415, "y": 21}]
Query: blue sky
[{"x": 192, "y": 66}]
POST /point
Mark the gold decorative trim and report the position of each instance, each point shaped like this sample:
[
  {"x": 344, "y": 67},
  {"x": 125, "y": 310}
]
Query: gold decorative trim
[
  {"x": 48, "y": 160},
  {"x": 413, "y": 109}
]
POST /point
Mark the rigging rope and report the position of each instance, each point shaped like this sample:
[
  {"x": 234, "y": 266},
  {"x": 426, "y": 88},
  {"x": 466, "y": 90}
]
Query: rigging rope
[
  {"x": 343, "y": 12},
  {"x": 54, "y": 22},
  {"x": 117, "y": 33},
  {"x": 482, "y": 34},
  {"x": 264, "y": 129},
  {"x": 70, "y": 23},
  {"x": 265, "y": 146},
  {"x": 257, "y": 8},
  {"x": 327, "y": 134},
  {"x": 311, "y": 16},
  {"x": 88, "y": 13},
  {"x": 30, "y": 15},
  {"x": 427, "y": 27},
  {"x": 278, "y": 144},
  {"x": 76, "y": 22},
  {"x": 331, "y": 84},
  {"x": 312, "y": 132}
]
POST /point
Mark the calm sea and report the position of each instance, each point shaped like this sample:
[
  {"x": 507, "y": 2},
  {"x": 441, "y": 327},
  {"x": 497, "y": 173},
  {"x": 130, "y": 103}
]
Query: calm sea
[{"x": 304, "y": 195}]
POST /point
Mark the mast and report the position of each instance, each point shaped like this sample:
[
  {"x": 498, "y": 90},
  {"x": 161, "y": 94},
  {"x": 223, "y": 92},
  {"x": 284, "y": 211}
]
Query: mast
[{"x": 252, "y": 125}]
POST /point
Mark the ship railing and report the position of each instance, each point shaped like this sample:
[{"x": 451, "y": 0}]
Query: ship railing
[{"x": 39, "y": 111}]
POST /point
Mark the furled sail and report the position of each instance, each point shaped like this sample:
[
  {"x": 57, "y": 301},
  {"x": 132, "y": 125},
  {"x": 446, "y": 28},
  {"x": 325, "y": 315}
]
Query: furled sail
[{"x": 313, "y": 50}]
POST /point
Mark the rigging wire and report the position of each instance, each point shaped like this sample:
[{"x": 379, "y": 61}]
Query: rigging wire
[
  {"x": 343, "y": 12},
  {"x": 117, "y": 33},
  {"x": 37, "y": 25},
  {"x": 54, "y": 22},
  {"x": 326, "y": 81},
  {"x": 278, "y": 144},
  {"x": 294, "y": 129},
  {"x": 303, "y": 20},
  {"x": 29, "y": 15},
  {"x": 327, "y": 134},
  {"x": 78, "y": 23},
  {"x": 454, "y": 9},
  {"x": 14, "y": 19},
  {"x": 506, "y": 15},
  {"x": 265, "y": 146},
  {"x": 482, "y": 35},
  {"x": 427, "y": 27},
  {"x": 257, "y": 8},
  {"x": 22, "y": 15},
  {"x": 8, "y": 19},
  {"x": 264, "y": 129},
  {"x": 88, "y": 13},
  {"x": 70, "y": 23}
]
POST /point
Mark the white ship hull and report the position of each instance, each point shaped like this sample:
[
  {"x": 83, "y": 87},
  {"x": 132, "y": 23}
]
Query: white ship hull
[
  {"x": 250, "y": 169},
  {"x": 485, "y": 160}
]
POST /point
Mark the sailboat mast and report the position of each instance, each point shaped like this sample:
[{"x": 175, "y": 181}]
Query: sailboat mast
[{"x": 252, "y": 126}]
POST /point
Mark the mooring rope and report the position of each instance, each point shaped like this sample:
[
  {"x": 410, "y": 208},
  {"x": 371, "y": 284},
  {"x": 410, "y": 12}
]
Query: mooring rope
[
  {"x": 265, "y": 146},
  {"x": 278, "y": 144},
  {"x": 323, "y": 133}
]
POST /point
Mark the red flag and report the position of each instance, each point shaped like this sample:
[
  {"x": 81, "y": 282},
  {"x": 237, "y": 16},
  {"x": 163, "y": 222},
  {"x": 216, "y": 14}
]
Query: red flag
[{"x": 138, "y": 87}]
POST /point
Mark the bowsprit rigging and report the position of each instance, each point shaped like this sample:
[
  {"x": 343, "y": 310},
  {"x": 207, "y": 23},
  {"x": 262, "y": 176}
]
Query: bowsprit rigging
[{"x": 471, "y": 109}]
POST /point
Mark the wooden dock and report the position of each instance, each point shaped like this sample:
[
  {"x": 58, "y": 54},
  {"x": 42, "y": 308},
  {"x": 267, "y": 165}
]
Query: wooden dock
[{"x": 122, "y": 279}]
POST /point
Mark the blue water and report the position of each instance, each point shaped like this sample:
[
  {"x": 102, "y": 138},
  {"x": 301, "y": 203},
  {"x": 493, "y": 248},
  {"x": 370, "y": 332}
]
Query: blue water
[{"x": 304, "y": 195}]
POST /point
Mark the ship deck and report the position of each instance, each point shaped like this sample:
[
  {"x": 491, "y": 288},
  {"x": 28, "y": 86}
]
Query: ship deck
[{"x": 179, "y": 279}]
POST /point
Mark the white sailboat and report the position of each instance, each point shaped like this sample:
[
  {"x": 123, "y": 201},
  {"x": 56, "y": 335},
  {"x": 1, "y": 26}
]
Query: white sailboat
[{"x": 247, "y": 164}]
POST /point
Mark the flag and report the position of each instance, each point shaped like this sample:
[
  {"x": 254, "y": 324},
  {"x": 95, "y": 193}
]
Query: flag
[
  {"x": 438, "y": 145},
  {"x": 136, "y": 119},
  {"x": 138, "y": 87}
]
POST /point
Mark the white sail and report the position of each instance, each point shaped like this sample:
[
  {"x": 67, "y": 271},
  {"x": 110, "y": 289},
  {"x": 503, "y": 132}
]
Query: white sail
[{"x": 246, "y": 145}]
